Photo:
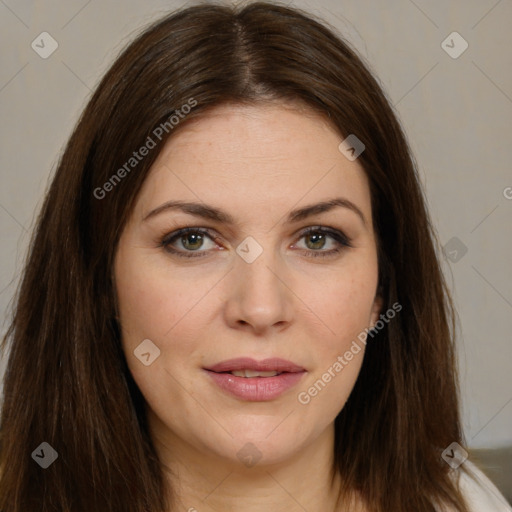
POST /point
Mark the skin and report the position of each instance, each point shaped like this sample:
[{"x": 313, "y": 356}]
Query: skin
[{"x": 256, "y": 163}]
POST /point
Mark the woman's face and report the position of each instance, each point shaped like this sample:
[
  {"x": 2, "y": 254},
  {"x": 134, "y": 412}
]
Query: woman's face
[{"x": 248, "y": 283}]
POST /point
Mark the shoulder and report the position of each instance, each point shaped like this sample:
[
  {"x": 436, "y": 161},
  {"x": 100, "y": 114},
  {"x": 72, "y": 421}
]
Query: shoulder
[{"x": 480, "y": 493}]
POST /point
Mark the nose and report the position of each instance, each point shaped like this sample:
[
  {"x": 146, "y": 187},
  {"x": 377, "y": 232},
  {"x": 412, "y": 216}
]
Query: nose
[{"x": 259, "y": 298}]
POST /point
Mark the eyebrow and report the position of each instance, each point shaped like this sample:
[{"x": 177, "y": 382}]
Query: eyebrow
[{"x": 212, "y": 213}]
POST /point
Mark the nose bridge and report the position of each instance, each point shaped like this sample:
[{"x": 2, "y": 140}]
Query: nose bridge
[
  {"x": 261, "y": 278},
  {"x": 259, "y": 296}
]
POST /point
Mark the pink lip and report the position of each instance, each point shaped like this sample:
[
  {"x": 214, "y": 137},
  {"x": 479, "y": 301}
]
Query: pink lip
[{"x": 256, "y": 389}]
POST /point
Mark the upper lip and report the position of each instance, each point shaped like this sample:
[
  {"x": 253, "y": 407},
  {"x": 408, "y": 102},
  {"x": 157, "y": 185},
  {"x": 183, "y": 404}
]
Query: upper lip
[{"x": 247, "y": 363}]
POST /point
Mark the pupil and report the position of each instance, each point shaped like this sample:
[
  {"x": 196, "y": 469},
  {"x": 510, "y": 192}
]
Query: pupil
[
  {"x": 320, "y": 240},
  {"x": 197, "y": 238}
]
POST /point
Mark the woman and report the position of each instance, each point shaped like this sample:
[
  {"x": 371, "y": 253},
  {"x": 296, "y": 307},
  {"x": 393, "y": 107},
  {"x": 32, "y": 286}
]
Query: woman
[{"x": 233, "y": 298}]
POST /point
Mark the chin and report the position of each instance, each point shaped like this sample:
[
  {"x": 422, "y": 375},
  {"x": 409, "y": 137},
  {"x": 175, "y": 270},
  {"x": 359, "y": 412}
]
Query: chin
[{"x": 263, "y": 446}]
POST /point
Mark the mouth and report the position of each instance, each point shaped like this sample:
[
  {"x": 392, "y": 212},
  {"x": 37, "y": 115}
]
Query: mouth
[
  {"x": 255, "y": 381},
  {"x": 247, "y": 364},
  {"x": 246, "y": 373}
]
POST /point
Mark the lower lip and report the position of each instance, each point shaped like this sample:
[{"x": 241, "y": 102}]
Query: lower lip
[{"x": 256, "y": 389}]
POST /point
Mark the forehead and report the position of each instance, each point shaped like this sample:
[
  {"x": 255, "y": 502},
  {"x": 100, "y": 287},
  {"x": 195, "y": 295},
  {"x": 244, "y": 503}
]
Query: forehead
[{"x": 266, "y": 157}]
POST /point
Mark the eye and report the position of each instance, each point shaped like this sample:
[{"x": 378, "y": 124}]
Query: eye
[
  {"x": 191, "y": 241},
  {"x": 188, "y": 242},
  {"x": 317, "y": 238}
]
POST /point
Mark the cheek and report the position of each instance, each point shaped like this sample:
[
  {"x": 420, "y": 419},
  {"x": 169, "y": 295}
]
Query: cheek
[
  {"x": 344, "y": 308},
  {"x": 151, "y": 305},
  {"x": 152, "y": 309},
  {"x": 344, "y": 305},
  {"x": 338, "y": 353},
  {"x": 166, "y": 310}
]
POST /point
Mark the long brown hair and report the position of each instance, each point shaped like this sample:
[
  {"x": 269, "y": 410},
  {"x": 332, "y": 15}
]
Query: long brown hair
[{"x": 67, "y": 381}]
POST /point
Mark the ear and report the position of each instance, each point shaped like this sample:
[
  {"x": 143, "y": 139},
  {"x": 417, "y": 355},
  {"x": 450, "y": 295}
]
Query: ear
[{"x": 376, "y": 309}]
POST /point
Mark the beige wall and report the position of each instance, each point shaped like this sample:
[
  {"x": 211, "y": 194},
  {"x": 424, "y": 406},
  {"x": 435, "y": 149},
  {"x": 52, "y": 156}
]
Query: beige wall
[{"x": 456, "y": 111}]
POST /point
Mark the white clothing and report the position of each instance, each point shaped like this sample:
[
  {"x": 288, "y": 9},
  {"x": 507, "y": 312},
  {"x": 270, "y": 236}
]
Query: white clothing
[{"x": 480, "y": 493}]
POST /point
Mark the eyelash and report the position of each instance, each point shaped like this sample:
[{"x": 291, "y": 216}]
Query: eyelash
[{"x": 338, "y": 236}]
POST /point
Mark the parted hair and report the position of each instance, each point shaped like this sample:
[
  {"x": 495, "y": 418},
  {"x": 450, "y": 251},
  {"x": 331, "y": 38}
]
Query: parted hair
[{"x": 67, "y": 381}]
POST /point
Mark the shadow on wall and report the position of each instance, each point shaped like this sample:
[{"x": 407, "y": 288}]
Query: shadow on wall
[{"x": 497, "y": 465}]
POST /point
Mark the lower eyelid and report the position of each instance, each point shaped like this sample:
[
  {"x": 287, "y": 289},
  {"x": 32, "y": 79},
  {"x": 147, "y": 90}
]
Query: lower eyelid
[{"x": 325, "y": 254}]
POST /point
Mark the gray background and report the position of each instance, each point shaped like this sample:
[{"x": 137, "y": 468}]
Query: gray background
[{"x": 456, "y": 111}]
